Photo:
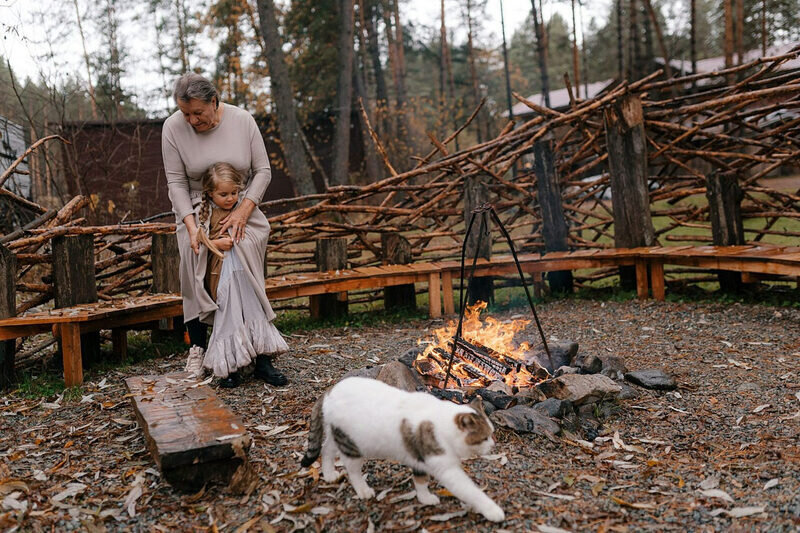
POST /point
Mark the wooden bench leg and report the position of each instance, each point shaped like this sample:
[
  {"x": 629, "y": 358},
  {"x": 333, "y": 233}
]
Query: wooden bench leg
[
  {"x": 119, "y": 342},
  {"x": 657, "y": 279},
  {"x": 71, "y": 348},
  {"x": 434, "y": 296},
  {"x": 641, "y": 280},
  {"x": 447, "y": 293}
]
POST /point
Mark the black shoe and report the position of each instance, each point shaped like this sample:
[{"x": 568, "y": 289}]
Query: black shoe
[
  {"x": 264, "y": 370},
  {"x": 231, "y": 382}
]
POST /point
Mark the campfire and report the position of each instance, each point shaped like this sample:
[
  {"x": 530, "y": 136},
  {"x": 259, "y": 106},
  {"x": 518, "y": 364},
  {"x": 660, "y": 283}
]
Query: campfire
[{"x": 487, "y": 351}]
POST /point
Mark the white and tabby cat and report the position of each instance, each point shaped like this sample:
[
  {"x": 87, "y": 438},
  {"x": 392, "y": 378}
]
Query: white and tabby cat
[{"x": 360, "y": 418}]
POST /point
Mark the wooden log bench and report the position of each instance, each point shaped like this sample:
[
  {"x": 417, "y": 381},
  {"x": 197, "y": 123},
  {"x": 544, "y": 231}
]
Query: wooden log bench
[{"x": 193, "y": 437}]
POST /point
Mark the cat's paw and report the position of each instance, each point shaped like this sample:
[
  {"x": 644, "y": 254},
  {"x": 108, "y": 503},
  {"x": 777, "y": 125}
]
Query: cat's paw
[
  {"x": 427, "y": 498},
  {"x": 365, "y": 493},
  {"x": 494, "y": 513},
  {"x": 330, "y": 475}
]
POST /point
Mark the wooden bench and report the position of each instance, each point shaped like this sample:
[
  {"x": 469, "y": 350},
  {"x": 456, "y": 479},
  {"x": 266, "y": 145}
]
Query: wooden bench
[
  {"x": 69, "y": 322},
  {"x": 767, "y": 260},
  {"x": 193, "y": 437},
  {"x": 117, "y": 316}
]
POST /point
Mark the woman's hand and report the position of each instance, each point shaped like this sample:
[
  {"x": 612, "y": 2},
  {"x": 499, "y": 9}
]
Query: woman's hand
[
  {"x": 237, "y": 220},
  {"x": 223, "y": 243},
  {"x": 191, "y": 227}
]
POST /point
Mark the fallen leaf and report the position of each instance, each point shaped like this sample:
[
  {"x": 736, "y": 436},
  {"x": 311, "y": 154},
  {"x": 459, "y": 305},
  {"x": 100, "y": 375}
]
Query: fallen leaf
[
  {"x": 321, "y": 510},
  {"x": 11, "y": 485},
  {"x": 71, "y": 490},
  {"x": 382, "y": 494},
  {"x": 403, "y": 497},
  {"x": 632, "y": 505},
  {"x": 711, "y": 482},
  {"x": 134, "y": 494},
  {"x": 446, "y": 516},
  {"x": 761, "y": 408},
  {"x": 543, "y": 528},
  {"x": 556, "y": 496},
  {"x": 717, "y": 493},
  {"x": 772, "y": 483},
  {"x": 741, "y": 512}
]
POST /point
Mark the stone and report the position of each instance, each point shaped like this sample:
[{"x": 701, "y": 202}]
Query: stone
[
  {"x": 748, "y": 387},
  {"x": 499, "y": 399},
  {"x": 588, "y": 363},
  {"x": 581, "y": 388},
  {"x": 567, "y": 370},
  {"x": 400, "y": 376},
  {"x": 554, "y": 408},
  {"x": 627, "y": 392},
  {"x": 500, "y": 386},
  {"x": 530, "y": 396},
  {"x": 523, "y": 419},
  {"x": 366, "y": 372},
  {"x": 652, "y": 379},
  {"x": 613, "y": 367},
  {"x": 561, "y": 354},
  {"x": 410, "y": 356}
]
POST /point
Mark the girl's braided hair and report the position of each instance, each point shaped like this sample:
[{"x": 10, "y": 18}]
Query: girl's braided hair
[{"x": 216, "y": 174}]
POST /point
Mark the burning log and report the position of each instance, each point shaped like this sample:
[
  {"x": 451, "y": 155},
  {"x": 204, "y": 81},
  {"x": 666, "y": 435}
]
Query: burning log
[{"x": 481, "y": 358}]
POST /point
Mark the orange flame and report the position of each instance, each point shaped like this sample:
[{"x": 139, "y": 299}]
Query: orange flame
[{"x": 491, "y": 333}]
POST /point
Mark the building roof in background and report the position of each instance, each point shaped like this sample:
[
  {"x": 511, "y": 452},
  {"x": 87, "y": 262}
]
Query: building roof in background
[
  {"x": 715, "y": 64},
  {"x": 560, "y": 97}
]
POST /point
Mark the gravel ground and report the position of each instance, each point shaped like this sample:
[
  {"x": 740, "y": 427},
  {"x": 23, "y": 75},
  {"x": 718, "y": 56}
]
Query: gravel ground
[{"x": 724, "y": 445}]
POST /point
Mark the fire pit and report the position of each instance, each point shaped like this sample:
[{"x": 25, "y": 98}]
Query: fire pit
[{"x": 485, "y": 352}]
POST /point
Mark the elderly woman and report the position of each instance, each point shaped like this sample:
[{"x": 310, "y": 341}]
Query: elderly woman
[{"x": 205, "y": 131}]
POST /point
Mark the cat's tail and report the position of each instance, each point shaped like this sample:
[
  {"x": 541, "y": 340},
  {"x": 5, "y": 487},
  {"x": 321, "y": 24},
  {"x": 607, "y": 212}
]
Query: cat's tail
[{"x": 315, "y": 434}]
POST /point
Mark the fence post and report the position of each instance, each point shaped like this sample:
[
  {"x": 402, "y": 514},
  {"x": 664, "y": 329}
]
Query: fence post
[
  {"x": 74, "y": 283},
  {"x": 627, "y": 160},
  {"x": 476, "y": 194},
  {"x": 331, "y": 255},
  {"x": 8, "y": 302},
  {"x": 554, "y": 225},
  {"x": 396, "y": 250},
  {"x": 724, "y": 205},
  {"x": 166, "y": 262}
]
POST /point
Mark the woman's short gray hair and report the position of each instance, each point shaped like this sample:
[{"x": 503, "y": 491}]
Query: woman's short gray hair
[{"x": 192, "y": 85}]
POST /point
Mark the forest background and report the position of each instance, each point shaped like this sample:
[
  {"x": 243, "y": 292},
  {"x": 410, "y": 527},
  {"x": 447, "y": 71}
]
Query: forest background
[{"x": 418, "y": 67}]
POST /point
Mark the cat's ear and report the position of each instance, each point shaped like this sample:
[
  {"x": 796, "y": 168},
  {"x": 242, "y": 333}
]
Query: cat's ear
[
  {"x": 477, "y": 405},
  {"x": 467, "y": 421}
]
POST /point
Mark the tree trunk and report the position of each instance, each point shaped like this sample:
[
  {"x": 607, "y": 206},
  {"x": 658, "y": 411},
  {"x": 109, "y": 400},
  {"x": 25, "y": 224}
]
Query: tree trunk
[
  {"x": 476, "y": 194},
  {"x": 659, "y": 36},
  {"x": 480, "y": 123},
  {"x": 374, "y": 169},
  {"x": 288, "y": 126},
  {"x": 541, "y": 53},
  {"x": 576, "y": 76},
  {"x": 86, "y": 61},
  {"x": 344, "y": 92},
  {"x": 8, "y": 303},
  {"x": 693, "y": 36},
  {"x": 381, "y": 94},
  {"x": 763, "y": 27},
  {"x": 728, "y": 47},
  {"x": 739, "y": 35},
  {"x": 396, "y": 250},
  {"x": 180, "y": 19},
  {"x": 634, "y": 45},
  {"x": 620, "y": 53}
]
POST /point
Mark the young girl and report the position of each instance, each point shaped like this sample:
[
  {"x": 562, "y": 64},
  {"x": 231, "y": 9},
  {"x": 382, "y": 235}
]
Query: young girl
[{"x": 233, "y": 276}]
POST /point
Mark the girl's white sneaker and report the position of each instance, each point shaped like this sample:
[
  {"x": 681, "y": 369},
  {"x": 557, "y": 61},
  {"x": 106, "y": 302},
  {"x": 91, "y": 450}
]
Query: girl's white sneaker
[{"x": 194, "y": 362}]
